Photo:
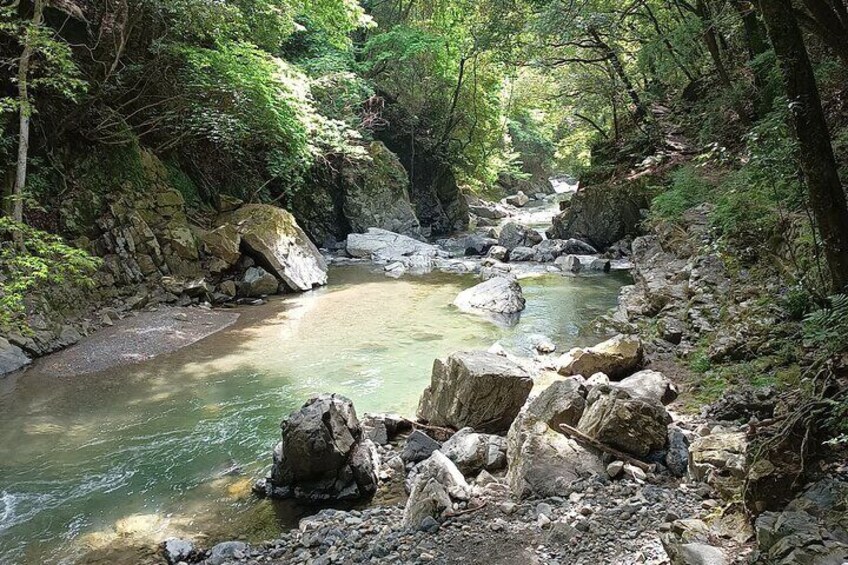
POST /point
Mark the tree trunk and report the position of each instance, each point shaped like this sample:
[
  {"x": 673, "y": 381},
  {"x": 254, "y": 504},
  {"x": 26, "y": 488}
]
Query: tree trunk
[
  {"x": 828, "y": 21},
  {"x": 757, "y": 44},
  {"x": 640, "y": 112},
  {"x": 25, "y": 114},
  {"x": 711, "y": 40},
  {"x": 825, "y": 193}
]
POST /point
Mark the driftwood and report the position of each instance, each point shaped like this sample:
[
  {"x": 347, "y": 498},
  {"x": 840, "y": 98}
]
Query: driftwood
[
  {"x": 439, "y": 433},
  {"x": 583, "y": 438}
]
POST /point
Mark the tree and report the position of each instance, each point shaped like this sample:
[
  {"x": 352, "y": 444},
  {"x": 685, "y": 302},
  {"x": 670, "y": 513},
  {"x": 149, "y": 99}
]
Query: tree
[
  {"x": 45, "y": 62},
  {"x": 824, "y": 189}
]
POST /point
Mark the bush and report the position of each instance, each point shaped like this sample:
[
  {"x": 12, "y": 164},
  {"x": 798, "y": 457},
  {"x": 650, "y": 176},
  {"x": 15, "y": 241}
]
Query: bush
[
  {"x": 689, "y": 187},
  {"x": 46, "y": 263}
]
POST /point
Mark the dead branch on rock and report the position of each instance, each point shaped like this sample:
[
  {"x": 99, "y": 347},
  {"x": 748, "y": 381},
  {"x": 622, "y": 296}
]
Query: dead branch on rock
[{"x": 581, "y": 437}]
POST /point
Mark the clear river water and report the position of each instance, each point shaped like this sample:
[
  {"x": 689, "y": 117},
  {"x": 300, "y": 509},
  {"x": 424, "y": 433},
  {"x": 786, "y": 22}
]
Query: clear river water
[{"x": 97, "y": 468}]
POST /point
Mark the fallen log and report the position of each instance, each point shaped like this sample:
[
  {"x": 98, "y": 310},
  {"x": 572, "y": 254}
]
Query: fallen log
[{"x": 583, "y": 438}]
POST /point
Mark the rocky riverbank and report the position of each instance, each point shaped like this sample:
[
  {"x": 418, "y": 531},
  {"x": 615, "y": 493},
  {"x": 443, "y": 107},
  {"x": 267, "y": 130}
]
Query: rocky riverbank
[{"x": 665, "y": 486}]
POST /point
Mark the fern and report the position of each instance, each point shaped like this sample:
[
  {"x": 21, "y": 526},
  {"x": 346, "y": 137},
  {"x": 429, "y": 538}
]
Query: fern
[{"x": 828, "y": 328}]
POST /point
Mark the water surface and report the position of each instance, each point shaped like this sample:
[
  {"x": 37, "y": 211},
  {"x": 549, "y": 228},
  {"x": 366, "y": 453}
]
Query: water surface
[{"x": 130, "y": 456}]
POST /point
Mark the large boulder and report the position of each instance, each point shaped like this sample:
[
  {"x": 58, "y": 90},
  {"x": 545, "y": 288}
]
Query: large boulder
[
  {"x": 812, "y": 529},
  {"x": 377, "y": 194},
  {"x": 273, "y": 238},
  {"x": 487, "y": 210},
  {"x": 477, "y": 389},
  {"x": 435, "y": 483},
  {"x": 12, "y": 357},
  {"x": 498, "y": 295},
  {"x": 519, "y": 199},
  {"x": 515, "y": 235},
  {"x": 383, "y": 246},
  {"x": 633, "y": 425},
  {"x": 582, "y": 264},
  {"x": 651, "y": 385},
  {"x": 601, "y": 215},
  {"x": 321, "y": 455},
  {"x": 549, "y": 249},
  {"x": 720, "y": 460},
  {"x": 473, "y": 452},
  {"x": 542, "y": 462},
  {"x": 563, "y": 402},
  {"x": 617, "y": 357}
]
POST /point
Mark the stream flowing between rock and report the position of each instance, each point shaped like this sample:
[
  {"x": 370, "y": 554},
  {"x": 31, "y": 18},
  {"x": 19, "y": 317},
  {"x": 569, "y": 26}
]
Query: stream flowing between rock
[{"x": 109, "y": 461}]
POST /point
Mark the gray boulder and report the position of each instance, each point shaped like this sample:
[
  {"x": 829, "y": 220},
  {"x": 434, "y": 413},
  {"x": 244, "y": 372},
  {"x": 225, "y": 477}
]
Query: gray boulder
[
  {"x": 522, "y": 253},
  {"x": 473, "y": 452},
  {"x": 677, "y": 454},
  {"x": 321, "y": 455},
  {"x": 515, "y": 235},
  {"x": 633, "y": 425},
  {"x": 499, "y": 295},
  {"x": 226, "y": 552},
  {"x": 616, "y": 357},
  {"x": 649, "y": 384},
  {"x": 434, "y": 484},
  {"x": 582, "y": 264},
  {"x": 477, "y": 389},
  {"x": 418, "y": 447},
  {"x": 175, "y": 550},
  {"x": 273, "y": 238},
  {"x": 488, "y": 211},
  {"x": 542, "y": 462},
  {"x": 812, "y": 529},
  {"x": 258, "y": 282},
  {"x": 383, "y": 246},
  {"x": 498, "y": 252},
  {"x": 549, "y": 249},
  {"x": 563, "y": 402},
  {"x": 519, "y": 200},
  {"x": 12, "y": 357}
]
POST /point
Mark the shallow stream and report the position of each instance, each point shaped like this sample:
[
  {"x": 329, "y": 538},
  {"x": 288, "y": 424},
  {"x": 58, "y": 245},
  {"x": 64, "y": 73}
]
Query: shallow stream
[{"x": 102, "y": 463}]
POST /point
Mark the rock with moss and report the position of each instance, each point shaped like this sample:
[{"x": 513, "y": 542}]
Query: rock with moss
[
  {"x": 376, "y": 194},
  {"x": 272, "y": 237}
]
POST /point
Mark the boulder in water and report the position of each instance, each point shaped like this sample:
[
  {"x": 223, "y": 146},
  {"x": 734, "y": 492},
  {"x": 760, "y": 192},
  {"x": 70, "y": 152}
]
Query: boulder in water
[
  {"x": 498, "y": 295},
  {"x": 322, "y": 455},
  {"x": 273, "y": 238},
  {"x": 515, "y": 235},
  {"x": 383, "y": 246},
  {"x": 519, "y": 199},
  {"x": 477, "y": 389}
]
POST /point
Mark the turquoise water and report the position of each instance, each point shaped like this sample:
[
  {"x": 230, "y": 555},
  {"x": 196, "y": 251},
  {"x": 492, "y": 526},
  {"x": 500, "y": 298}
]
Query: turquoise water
[{"x": 100, "y": 467}]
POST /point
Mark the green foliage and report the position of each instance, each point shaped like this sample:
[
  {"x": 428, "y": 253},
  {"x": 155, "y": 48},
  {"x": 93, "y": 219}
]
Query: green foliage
[
  {"x": 827, "y": 329},
  {"x": 46, "y": 265},
  {"x": 689, "y": 187}
]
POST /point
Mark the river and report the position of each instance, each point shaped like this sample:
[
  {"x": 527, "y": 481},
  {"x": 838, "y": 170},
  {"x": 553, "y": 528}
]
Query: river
[{"x": 106, "y": 464}]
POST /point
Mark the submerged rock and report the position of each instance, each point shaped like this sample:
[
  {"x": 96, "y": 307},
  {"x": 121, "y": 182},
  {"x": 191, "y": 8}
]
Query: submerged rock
[
  {"x": 477, "y": 389},
  {"x": 617, "y": 357},
  {"x": 322, "y": 455},
  {"x": 276, "y": 242}
]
